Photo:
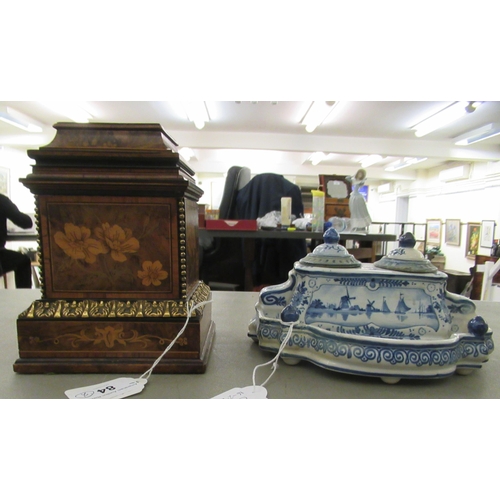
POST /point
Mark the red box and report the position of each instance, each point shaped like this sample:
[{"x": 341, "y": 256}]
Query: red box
[{"x": 231, "y": 225}]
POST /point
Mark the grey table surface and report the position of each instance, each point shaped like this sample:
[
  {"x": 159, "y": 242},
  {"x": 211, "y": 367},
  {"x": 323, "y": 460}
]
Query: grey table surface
[
  {"x": 233, "y": 359},
  {"x": 293, "y": 235}
]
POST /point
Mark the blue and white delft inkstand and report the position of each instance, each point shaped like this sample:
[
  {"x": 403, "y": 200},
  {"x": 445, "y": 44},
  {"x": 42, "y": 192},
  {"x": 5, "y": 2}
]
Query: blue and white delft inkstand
[{"x": 391, "y": 319}]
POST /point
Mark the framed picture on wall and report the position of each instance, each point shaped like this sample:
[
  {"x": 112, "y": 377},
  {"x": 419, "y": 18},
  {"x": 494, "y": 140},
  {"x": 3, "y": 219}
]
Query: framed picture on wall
[
  {"x": 337, "y": 190},
  {"x": 434, "y": 232},
  {"x": 364, "y": 191},
  {"x": 452, "y": 232},
  {"x": 472, "y": 243},
  {"x": 487, "y": 233},
  {"x": 4, "y": 181}
]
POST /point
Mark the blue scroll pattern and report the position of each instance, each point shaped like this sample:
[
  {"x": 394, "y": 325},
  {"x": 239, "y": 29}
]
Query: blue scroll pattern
[{"x": 417, "y": 356}]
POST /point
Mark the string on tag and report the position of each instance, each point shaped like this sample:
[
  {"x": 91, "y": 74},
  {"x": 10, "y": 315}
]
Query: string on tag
[
  {"x": 274, "y": 361},
  {"x": 190, "y": 311},
  {"x": 123, "y": 387}
]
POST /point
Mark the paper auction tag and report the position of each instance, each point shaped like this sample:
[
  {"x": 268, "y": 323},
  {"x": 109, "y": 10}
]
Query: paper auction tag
[
  {"x": 250, "y": 392},
  {"x": 113, "y": 389}
]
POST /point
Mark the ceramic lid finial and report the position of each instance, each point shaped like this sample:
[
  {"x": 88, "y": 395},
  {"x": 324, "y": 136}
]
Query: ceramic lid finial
[
  {"x": 331, "y": 236},
  {"x": 407, "y": 240},
  {"x": 406, "y": 258}
]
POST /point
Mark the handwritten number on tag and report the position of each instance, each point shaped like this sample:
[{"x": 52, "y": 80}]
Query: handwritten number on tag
[
  {"x": 117, "y": 388},
  {"x": 109, "y": 388},
  {"x": 238, "y": 395}
]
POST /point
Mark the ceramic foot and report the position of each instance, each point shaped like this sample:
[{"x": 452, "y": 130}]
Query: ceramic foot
[
  {"x": 291, "y": 361},
  {"x": 390, "y": 380},
  {"x": 464, "y": 371}
]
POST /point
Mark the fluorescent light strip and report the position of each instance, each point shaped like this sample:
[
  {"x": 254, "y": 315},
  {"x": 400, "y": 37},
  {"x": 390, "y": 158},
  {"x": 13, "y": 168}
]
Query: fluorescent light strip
[
  {"x": 447, "y": 115},
  {"x": 19, "y": 120},
  {"x": 186, "y": 153},
  {"x": 26, "y": 127},
  {"x": 479, "y": 134},
  {"x": 367, "y": 161},
  {"x": 318, "y": 112},
  {"x": 197, "y": 113},
  {"x": 317, "y": 157},
  {"x": 407, "y": 162}
]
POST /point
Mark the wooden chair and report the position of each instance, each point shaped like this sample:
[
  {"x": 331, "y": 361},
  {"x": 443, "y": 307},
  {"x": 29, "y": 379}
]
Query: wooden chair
[
  {"x": 478, "y": 273},
  {"x": 4, "y": 276}
]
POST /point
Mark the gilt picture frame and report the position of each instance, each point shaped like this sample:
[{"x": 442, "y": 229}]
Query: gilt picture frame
[
  {"x": 487, "y": 233},
  {"x": 434, "y": 232},
  {"x": 472, "y": 241},
  {"x": 337, "y": 187},
  {"x": 452, "y": 232}
]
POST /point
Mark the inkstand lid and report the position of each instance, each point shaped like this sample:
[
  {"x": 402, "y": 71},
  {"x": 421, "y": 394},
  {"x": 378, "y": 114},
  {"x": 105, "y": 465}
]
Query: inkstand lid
[
  {"x": 330, "y": 253},
  {"x": 405, "y": 258}
]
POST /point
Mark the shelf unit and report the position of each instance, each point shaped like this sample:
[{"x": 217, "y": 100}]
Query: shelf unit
[{"x": 419, "y": 230}]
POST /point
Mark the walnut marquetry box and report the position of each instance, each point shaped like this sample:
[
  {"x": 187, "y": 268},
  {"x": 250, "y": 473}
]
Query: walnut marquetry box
[{"x": 117, "y": 219}]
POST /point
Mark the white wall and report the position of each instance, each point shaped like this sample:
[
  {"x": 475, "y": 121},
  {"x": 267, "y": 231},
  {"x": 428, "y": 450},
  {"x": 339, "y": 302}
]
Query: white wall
[
  {"x": 213, "y": 187},
  {"x": 469, "y": 200},
  {"x": 381, "y": 207}
]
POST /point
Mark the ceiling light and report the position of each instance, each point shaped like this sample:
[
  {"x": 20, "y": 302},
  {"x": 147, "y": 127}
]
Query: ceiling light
[
  {"x": 197, "y": 113},
  {"x": 70, "y": 110},
  {"x": 317, "y": 157},
  {"x": 370, "y": 160},
  {"x": 472, "y": 106},
  {"x": 479, "y": 134},
  {"x": 19, "y": 120},
  {"x": 186, "y": 153},
  {"x": 403, "y": 163},
  {"x": 438, "y": 120},
  {"x": 317, "y": 114}
]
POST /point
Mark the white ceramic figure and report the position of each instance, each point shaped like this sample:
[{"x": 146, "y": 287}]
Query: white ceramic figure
[
  {"x": 386, "y": 320},
  {"x": 360, "y": 218}
]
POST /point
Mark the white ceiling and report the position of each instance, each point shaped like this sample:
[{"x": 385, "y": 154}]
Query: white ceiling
[{"x": 268, "y": 137}]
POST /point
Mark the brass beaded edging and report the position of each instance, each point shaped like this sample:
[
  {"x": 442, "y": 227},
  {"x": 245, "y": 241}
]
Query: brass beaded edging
[
  {"x": 182, "y": 248},
  {"x": 95, "y": 309},
  {"x": 38, "y": 227}
]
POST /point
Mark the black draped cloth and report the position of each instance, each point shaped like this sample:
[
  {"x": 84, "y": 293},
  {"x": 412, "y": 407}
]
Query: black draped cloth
[{"x": 274, "y": 258}]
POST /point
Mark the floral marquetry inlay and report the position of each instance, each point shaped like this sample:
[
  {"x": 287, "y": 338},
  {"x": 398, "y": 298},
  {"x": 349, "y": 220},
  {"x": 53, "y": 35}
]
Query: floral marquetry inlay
[
  {"x": 152, "y": 273},
  {"x": 114, "y": 246},
  {"x": 109, "y": 336}
]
